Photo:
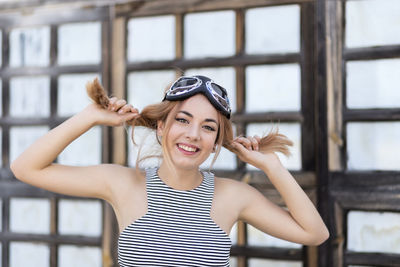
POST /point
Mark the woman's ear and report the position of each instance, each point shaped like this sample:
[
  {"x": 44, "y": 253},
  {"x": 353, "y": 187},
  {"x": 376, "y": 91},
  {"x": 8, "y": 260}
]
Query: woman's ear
[{"x": 160, "y": 128}]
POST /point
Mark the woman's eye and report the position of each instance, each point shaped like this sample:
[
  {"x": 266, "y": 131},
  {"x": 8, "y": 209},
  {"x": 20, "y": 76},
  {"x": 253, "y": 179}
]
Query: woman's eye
[
  {"x": 209, "y": 128},
  {"x": 182, "y": 120}
]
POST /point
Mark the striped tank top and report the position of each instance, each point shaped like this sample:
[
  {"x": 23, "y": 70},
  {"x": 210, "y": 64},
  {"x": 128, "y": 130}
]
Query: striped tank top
[{"x": 177, "y": 229}]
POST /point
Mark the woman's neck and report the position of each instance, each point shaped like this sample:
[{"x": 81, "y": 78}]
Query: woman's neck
[{"x": 180, "y": 179}]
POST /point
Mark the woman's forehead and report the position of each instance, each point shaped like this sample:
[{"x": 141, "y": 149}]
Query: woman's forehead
[{"x": 199, "y": 105}]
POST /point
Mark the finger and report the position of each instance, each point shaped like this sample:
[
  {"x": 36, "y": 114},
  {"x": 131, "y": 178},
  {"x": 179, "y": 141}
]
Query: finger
[
  {"x": 127, "y": 108},
  {"x": 111, "y": 103},
  {"x": 258, "y": 138},
  {"x": 254, "y": 143},
  {"x": 244, "y": 141},
  {"x": 119, "y": 104}
]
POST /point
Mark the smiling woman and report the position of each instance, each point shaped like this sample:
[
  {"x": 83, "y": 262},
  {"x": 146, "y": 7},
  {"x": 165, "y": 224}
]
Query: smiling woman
[{"x": 176, "y": 214}]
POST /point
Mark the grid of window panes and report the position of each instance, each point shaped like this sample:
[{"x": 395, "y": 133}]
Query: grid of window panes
[
  {"x": 372, "y": 84},
  {"x": 37, "y": 103},
  {"x": 269, "y": 87}
]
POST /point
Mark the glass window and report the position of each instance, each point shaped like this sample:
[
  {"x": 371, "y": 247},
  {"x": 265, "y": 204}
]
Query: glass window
[
  {"x": 224, "y": 76},
  {"x": 373, "y": 83},
  {"x": 209, "y": 34},
  {"x": 72, "y": 49},
  {"x": 86, "y": 150},
  {"x": 273, "y": 88},
  {"x": 1, "y": 216},
  {"x": 30, "y": 96},
  {"x": 373, "y": 232},
  {"x": 257, "y": 238},
  {"x": 292, "y": 131},
  {"x": 1, "y": 96},
  {"x": 280, "y": 29},
  {"x": 372, "y": 23},
  {"x": 72, "y": 96},
  {"x": 1, "y": 155},
  {"x": 148, "y": 87},
  {"x": 30, "y": 47},
  {"x": 78, "y": 217},
  {"x": 79, "y": 256},
  {"x": 29, "y": 254},
  {"x": 29, "y": 215},
  {"x": 151, "y": 38},
  {"x": 273, "y": 263},
  {"x": 1, "y": 49},
  {"x": 373, "y": 145},
  {"x": 145, "y": 145},
  {"x": 21, "y": 137}
]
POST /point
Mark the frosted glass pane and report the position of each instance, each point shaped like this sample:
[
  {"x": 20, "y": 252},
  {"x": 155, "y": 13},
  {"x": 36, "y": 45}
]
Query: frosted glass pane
[
  {"x": 151, "y": 38},
  {"x": 233, "y": 235},
  {"x": 292, "y": 131},
  {"x": 30, "y": 46},
  {"x": 257, "y": 238},
  {"x": 73, "y": 49},
  {"x": 273, "y": 263},
  {"x": 373, "y": 232},
  {"x": 80, "y": 218},
  {"x": 29, "y": 215},
  {"x": 273, "y": 88},
  {"x": 24, "y": 254},
  {"x": 273, "y": 29},
  {"x": 223, "y": 76},
  {"x": 372, "y": 23},
  {"x": 86, "y": 150},
  {"x": 373, "y": 146},
  {"x": 233, "y": 262},
  {"x": 1, "y": 250},
  {"x": 30, "y": 96},
  {"x": 209, "y": 34},
  {"x": 1, "y": 95},
  {"x": 1, "y": 62},
  {"x": 79, "y": 256},
  {"x": 146, "y": 142},
  {"x": 72, "y": 96},
  {"x": 22, "y": 137},
  {"x": 148, "y": 87},
  {"x": 373, "y": 84},
  {"x": 1, "y": 217}
]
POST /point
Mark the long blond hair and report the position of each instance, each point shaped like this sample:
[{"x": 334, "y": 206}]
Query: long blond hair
[{"x": 165, "y": 110}]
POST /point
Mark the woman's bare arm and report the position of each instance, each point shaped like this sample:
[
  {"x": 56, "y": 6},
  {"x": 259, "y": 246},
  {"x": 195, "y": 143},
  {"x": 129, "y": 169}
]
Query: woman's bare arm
[
  {"x": 35, "y": 165},
  {"x": 301, "y": 223}
]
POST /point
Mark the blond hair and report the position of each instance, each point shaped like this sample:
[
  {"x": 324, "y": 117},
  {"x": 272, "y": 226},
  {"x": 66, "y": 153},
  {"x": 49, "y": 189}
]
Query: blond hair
[{"x": 166, "y": 110}]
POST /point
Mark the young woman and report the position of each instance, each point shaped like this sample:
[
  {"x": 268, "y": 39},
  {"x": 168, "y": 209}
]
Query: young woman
[{"x": 175, "y": 214}]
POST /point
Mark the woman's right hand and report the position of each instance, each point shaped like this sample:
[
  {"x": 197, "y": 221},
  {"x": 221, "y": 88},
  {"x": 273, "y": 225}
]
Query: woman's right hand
[{"x": 117, "y": 113}]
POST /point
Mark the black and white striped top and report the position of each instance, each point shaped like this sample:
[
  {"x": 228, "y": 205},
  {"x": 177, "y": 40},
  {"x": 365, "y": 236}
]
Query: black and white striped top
[{"x": 177, "y": 229}]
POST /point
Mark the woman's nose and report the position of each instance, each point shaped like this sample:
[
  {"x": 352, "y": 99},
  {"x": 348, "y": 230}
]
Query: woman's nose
[{"x": 193, "y": 132}]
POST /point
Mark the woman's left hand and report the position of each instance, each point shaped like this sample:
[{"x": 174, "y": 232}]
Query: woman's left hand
[{"x": 248, "y": 151}]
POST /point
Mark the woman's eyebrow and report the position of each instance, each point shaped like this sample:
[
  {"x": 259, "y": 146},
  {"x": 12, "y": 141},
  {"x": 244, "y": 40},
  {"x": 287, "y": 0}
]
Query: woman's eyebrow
[{"x": 190, "y": 115}]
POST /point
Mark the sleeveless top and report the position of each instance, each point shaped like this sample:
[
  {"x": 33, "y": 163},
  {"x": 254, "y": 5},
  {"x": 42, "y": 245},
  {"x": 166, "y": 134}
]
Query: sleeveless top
[{"x": 177, "y": 229}]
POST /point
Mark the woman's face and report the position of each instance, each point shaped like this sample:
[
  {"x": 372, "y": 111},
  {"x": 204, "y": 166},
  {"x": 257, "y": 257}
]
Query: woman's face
[{"x": 193, "y": 132}]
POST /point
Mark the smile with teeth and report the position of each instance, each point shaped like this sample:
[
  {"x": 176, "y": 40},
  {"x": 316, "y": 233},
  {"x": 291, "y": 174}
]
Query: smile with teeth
[{"x": 188, "y": 148}]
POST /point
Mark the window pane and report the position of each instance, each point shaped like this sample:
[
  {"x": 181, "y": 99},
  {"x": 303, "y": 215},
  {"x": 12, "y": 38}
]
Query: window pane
[
  {"x": 233, "y": 262},
  {"x": 29, "y": 215},
  {"x": 1, "y": 96},
  {"x": 209, "y": 34},
  {"x": 223, "y": 76},
  {"x": 72, "y": 96},
  {"x": 79, "y": 256},
  {"x": 373, "y": 84},
  {"x": 30, "y": 96},
  {"x": 30, "y": 46},
  {"x": 273, "y": 88},
  {"x": 1, "y": 218},
  {"x": 226, "y": 160},
  {"x": 86, "y": 150},
  {"x": 257, "y": 238},
  {"x": 151, "y": 38},
  {"x": 1, "y": 62},
  {"x": 273, "y": 263},
  {"x": 72, "y": 49},
  {"x": 372, "y": 23},
  {"x": 281, "y": 29},
  {"x": 292, "y": 131},
  {"x": 1, "y": 156},
  {"x": 147, "y": 87},
  {"x": 146, "y": 141},
  {"x": 373, "y": 232},
  {"x": 373, "y": 145},
  {"x": 24, "y": 254},
  {"x": 80, "y": 218},
  {"x": 21, "y": 137}
]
